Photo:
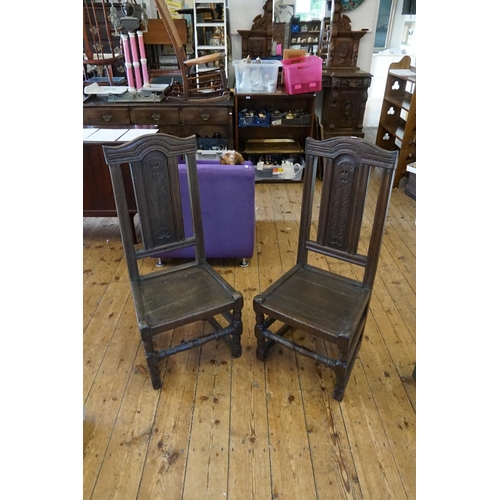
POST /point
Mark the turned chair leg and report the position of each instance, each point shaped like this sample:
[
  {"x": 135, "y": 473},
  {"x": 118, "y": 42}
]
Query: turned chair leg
[
  {"x": 154, "y": 371},
  {"x": 152, "y": 360},
  {"x": 236, "y": 349},
  {"x": 339, "y": 388},
  {"x": 261, "y": 352}
]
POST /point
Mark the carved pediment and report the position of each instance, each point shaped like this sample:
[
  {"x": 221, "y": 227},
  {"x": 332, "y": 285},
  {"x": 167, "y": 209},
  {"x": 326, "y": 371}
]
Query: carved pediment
[
  {"x": 344, "y": 43},
  {"x": 258, "y": 41}
]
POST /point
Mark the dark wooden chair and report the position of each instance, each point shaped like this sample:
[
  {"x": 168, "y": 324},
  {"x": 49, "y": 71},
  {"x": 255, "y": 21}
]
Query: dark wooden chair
[
  {"x": 202, "y": 78},
  {"x": 328, "y": 305},
  {"x": 186, "y": 291}
]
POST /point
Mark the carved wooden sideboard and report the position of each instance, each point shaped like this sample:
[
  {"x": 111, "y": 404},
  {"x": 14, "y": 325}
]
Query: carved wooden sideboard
[
  {"x": 345, "y": 92},
  {"x": 345, "y": 86}
]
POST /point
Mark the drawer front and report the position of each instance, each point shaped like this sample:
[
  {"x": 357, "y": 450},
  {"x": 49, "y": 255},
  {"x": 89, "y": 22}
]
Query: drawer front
[
  {"x": 205, "y": 116},
  {"x": 152, "y": 116},
  {"x": 106, "y": 116}
]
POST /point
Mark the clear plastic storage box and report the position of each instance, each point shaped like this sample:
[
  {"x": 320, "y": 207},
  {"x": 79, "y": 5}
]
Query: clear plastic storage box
[{"x": 256, "y": 76}]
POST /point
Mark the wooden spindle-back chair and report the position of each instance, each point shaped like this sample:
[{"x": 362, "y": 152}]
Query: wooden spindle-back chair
[{"x": 99, "y": 47}]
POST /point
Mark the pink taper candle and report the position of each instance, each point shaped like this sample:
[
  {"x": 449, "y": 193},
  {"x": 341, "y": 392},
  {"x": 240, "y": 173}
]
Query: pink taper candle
[
  {"x": 144, "y": 61},
  {"x": 135, "y": 60},
  {"x": 128, "y": 64}
]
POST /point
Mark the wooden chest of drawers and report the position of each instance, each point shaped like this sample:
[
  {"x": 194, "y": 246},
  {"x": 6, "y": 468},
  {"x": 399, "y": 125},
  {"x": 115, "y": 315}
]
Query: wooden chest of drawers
[
  {"x": 106, "y": 115},
  {"x": 154, "y": 116},
  {"x": 176, "y": 119},
  {"x": 206, "y": 116}
]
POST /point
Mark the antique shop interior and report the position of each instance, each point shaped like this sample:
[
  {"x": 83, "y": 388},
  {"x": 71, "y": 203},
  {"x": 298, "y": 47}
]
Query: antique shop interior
[
  {"x": 338, "y": 88},
  {"x": 249, "y": 249}
]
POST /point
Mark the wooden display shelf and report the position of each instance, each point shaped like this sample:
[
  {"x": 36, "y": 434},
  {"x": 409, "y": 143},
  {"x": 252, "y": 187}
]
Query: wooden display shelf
[
  {"x": 402, "y": 102},
  {"x": 406, "y": 74},
  {"x": 396, "y": 129},
  {"x": 279, "y": 140},
  {"x": 267, "y": 146},
  {"x": 398, "y": 118}
]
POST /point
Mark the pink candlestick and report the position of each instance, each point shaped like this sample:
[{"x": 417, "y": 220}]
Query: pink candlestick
[
  {"x": 128, "y": 63},
  {"x": 142, "y": 49},
  {"x": 135, "y": 60},
  {"x": 144, "y": 61},
  {"x": 137, "y": 72},
  {"x": 145, "y": 72}
]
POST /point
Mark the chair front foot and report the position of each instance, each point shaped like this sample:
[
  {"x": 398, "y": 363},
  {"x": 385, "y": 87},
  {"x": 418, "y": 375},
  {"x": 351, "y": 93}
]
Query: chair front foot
[
  {"x": 261, "y": 353},
  {"x": 154, "y": 372},
  {"x": 338, "y": 393},
  {"x": 236, "y": 350}
]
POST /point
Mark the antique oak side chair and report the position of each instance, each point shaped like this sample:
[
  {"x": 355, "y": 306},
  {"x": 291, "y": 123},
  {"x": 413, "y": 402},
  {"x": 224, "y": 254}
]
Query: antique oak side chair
[
  {"x": 185, "y": 292},
  {"x": 199, "y": 80},
  {"x": 331, "y": 304}
]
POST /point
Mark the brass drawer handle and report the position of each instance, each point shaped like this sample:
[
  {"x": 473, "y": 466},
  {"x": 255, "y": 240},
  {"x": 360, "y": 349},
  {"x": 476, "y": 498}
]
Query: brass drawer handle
[
  {"x": 205, "y": 116},
  {"x": 156, "y": 117},
  {"x": 107, "y": 118}
]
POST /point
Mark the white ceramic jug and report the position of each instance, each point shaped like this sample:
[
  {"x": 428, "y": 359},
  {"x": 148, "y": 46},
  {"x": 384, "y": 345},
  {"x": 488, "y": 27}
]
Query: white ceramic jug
[{"x": 290, "y": 170}]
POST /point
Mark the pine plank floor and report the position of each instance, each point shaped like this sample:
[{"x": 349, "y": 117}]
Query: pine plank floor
[{"x": 241, "y": 429}]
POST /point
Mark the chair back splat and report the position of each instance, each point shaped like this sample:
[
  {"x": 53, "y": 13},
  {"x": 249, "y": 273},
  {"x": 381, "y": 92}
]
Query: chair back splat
[
  {"x": 184, "y": 292},
  {"x": 331, "y": 301}
]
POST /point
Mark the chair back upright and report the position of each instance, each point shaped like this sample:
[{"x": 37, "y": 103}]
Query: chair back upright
[
  {"x": 340, "y": 223},
  {"x": 202, "y": 77},
  {"x": 153, "y": 161},
  {"x": 172, "y": 31}
]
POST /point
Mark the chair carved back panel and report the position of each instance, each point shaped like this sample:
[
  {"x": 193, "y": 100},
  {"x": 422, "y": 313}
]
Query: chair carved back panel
[
  {"x": 160, "y": 209},
  {"x": 344, "y": 190},
  {"x": 155, "y": 176},
  {"x": 342, "y": 204}
]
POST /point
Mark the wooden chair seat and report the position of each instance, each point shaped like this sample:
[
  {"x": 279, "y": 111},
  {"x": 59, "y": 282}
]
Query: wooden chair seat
[
  {"x": 169, "y": 299},
  {"x": 323, "y": 303}
]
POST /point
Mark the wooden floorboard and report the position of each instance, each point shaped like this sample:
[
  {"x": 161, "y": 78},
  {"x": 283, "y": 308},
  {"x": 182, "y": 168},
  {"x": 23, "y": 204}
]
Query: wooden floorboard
[{"x": 239, "y": 428}]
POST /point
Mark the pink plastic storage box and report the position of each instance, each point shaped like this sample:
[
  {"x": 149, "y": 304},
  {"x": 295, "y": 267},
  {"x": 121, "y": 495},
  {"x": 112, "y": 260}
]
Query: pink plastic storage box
[{"x": 302, "y": 74}]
